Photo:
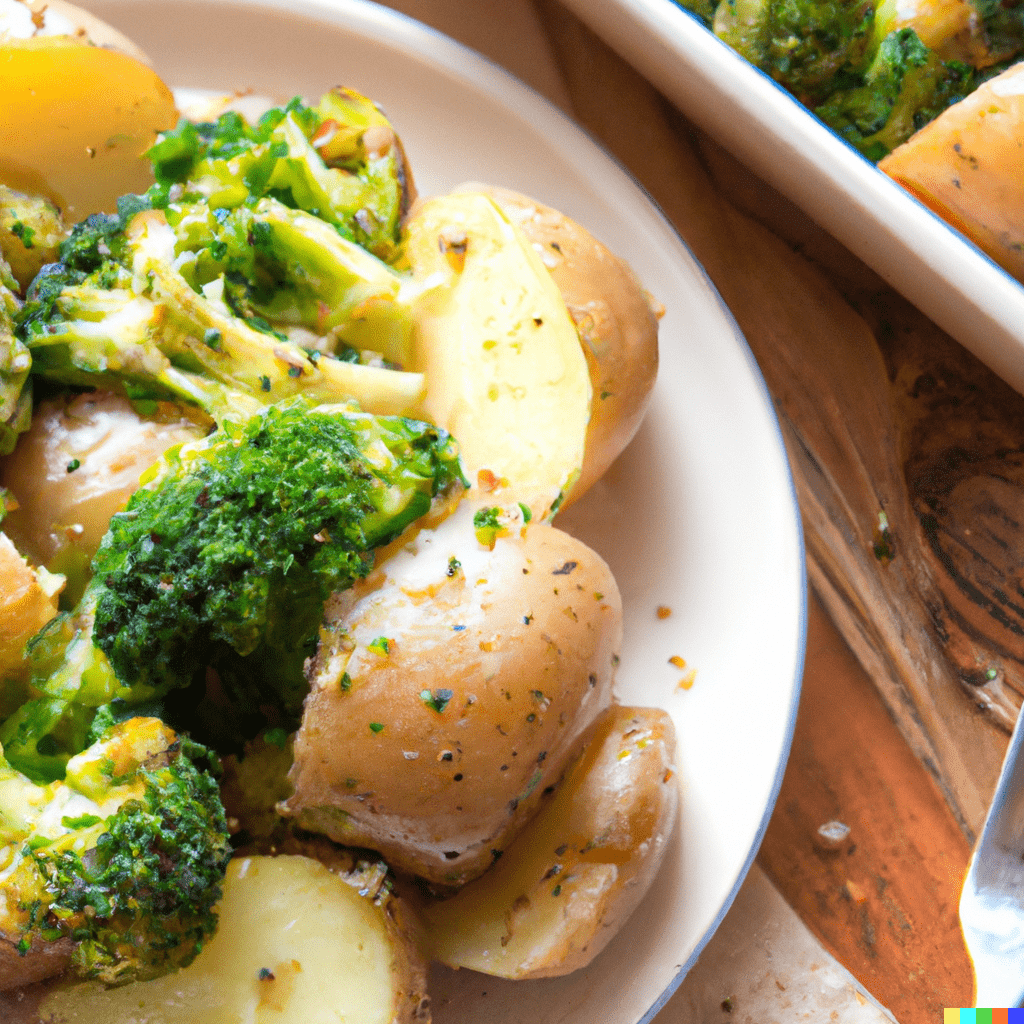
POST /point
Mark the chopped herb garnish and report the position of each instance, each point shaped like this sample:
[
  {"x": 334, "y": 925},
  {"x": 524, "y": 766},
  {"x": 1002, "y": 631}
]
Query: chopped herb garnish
[
  {"x": 381, "y": 646},
  {"x": 438, "y": 699}
]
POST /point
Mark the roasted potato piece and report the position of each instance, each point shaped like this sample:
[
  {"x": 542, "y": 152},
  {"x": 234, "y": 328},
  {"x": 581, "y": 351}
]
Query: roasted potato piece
[
  {"x": 76, "y": 120},
  {"x": 28, "y": 600},
  {"x": 77, "y": 465},
  {"x": 297, "y": 944},
  {"x": 967, "y": 166},
  {"x": 450, "y": 689},
  {"x": 581, "y": 866},
  {"x": 505, "y": 372},
  {"x": 616, "y": 319}
]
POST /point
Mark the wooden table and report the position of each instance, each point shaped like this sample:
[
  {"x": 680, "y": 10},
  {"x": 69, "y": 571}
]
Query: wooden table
[{"x": 904, "y": 752}]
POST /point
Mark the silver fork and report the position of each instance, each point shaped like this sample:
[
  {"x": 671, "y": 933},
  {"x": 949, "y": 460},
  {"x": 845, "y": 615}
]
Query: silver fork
[{"x": 992, "y": 901}]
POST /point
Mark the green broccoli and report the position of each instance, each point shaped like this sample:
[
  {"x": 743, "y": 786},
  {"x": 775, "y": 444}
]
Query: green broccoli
[
  {"x": 339, "y": 160},
  {"x": 860, "y": 65},
  {"x": 15, "y": 363},
  {"x": 118, "y": 310},
  {"x": 905, "y": 87},
  {"x": 805, "y": 45},
  {"x": 225, "y": 558},
  {"x": 122, "y": 859}
]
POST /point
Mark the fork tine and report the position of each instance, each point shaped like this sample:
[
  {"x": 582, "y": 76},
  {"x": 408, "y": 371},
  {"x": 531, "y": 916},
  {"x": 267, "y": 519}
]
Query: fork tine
[{"x": 992, "y": 900}]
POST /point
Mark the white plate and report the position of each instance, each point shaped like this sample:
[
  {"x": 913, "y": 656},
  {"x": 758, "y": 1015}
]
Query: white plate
[
  {"x": 699, "y": 515},
  {"x": 934, "y": 266}
]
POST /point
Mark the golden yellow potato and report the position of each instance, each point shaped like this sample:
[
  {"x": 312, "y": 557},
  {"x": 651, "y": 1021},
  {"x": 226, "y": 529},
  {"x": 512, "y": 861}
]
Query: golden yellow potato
[
  {"x": 76, "y": 120},
  {"x": 296, "y": 944},
  {"x": 579, "y": 868},
  {"x": 504, "y": 369},
  {"x": 76, "y": 466},
  {"x": 28, "y": 600},
  {"x": 967, "y": 165},
  {"x": 450, "y": 690},
  {"x": 616, "y": 319}
]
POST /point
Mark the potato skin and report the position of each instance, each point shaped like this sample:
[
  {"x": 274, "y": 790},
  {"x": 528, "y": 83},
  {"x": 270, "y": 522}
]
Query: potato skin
[
  {"x": 44, "y": 960},
  {"x": 437, "y": 751},
  {"x": 579, "y": 868},
  {"x": 63, "y": 511},
  {"x": 616, "y": 320}
]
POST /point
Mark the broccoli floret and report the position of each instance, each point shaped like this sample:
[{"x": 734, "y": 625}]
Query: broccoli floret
[
  {"x": 227, "y": 556},
  {"x": 15, "y": 363},
  {"x": 905, "y": 87},
  {"x": 224, "y": 559},
  {"x": 174, "y": 304},
  {"x": 124, "y": 856},
  {"x": 339, "y": 160},
  {"x": 805, "y": 45}
]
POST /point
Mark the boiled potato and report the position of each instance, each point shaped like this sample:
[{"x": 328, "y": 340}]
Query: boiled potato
[
  {"x": 505, "y": 372},
  {"x": 76, "y": 466},
  {"x": 76, "y": 119},
  {"x": 617, "y": 323},
  {"x": 28, "y": 600},
  {"x": 42, "y": 961},
  {"x": 450, "y": 690},
  {"x": 578, "y": 870},
  {"x": 297, "y": 944},
  {"x": 967, "y": 166}
]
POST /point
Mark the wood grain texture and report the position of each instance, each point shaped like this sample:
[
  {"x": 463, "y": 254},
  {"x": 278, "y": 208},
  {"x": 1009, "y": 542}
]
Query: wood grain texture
[
  {"x": 906, "y": 451},
  {"x": 884, "y": 899}
]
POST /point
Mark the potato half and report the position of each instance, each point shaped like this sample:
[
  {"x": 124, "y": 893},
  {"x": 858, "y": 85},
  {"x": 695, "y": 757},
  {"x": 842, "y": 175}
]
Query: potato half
[
  {"x": 578, "y": 870},
  {"x": 616, "y": 319},
  {"x": 296, "y": 944},
  {"x": 75, "y": 121},
  {"x": 505, "y": 372},
  {"x": 450, "y": 690}
]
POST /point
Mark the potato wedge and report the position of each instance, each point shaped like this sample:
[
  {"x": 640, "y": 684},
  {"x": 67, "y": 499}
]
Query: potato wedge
[
  {"x": 616, "y": 319},
  {"x": 450, "y": 690},
  {"x": 76, "y": 120},
  {"x": 581, "y": 866},
  {"x": 297, "y": 944},
  {"x": 505, "y": 372},
  {"x": 967, "y": 166}
]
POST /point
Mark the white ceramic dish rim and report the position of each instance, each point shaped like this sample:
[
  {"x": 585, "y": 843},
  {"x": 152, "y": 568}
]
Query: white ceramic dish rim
[
  {"x": 431, "y": 47},
  {"x": 914, "y": 250}
]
